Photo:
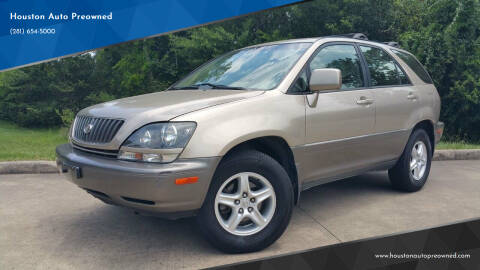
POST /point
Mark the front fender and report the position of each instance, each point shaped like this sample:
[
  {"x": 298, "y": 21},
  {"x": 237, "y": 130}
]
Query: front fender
[{"x": 220, "y": 128}]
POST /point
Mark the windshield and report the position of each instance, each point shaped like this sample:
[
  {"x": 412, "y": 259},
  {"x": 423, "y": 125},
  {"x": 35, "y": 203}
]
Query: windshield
[{"x": 257, "y": 68}]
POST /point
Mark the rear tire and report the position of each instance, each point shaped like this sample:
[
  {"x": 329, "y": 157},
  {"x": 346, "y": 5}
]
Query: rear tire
[
  {"x": 217, "y": 221},
  {"x": 412, "y": 169}
]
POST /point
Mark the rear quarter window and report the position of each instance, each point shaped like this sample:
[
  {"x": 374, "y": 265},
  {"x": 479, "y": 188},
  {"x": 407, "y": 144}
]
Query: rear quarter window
[
  {"x": 383, "y": 69},
  {"x": 413, "y": 63}
]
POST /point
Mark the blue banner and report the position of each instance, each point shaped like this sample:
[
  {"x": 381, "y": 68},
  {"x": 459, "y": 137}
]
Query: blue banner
[{"x": 37, "y": 30}]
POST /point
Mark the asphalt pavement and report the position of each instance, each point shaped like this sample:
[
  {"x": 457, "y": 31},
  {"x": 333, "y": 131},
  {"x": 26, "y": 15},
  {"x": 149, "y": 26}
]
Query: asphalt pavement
[{"x": 48, "y": 223}]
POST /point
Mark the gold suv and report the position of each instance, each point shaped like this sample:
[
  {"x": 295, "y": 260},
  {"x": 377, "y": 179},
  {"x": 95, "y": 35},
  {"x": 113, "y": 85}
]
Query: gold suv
[{"x": 238, "y": 139}]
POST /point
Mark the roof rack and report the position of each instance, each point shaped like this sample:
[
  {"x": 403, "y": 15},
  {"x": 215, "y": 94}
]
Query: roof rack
[
  {"x": 392, "y": 43},
  {"x": 362, "y": 36},
  {"x": 355, "y": 36},
  {"x": 352, "y": 35}
]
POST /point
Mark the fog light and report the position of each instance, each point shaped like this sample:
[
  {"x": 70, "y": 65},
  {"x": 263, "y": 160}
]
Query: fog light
[
  {"x": 147, "y": 157},
  {"x": 128, "y": 155},
  {"x": 152, "y": 158}
]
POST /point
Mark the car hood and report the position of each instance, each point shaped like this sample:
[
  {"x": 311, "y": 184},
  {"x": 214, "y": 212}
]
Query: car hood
[
  {"x": 165, "y": 105},
  {"x": 140, "y": 110}
]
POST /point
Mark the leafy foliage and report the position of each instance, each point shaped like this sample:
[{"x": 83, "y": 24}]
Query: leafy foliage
[
  {"x": 448, "y": 43},
  {"x": 443, "y": 34}
]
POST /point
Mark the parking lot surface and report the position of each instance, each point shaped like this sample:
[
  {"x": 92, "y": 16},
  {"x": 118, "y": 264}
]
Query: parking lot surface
[{"x": 48, "y": 223}]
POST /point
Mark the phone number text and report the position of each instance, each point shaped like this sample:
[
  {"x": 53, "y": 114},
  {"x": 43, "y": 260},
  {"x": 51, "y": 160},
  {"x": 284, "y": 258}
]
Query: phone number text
[{"x": 32, "y": 31}]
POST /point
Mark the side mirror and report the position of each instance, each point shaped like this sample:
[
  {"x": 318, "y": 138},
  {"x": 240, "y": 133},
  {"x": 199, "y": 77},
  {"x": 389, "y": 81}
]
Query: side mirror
[{"x": 325, "y": 79}]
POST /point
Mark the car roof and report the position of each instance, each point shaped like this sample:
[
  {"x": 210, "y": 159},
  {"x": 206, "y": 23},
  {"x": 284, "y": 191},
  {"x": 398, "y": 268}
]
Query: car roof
[
  {"x": 326, "y": 39},
  {"x": 297, "y": 40}
]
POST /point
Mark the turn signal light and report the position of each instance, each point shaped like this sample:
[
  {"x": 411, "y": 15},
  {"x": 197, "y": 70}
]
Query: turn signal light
[{"x": 186, "y": 180}]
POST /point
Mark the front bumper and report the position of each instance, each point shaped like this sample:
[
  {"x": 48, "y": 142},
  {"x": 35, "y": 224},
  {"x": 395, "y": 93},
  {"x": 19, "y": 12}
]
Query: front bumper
[{"x": 149, "y": 188}]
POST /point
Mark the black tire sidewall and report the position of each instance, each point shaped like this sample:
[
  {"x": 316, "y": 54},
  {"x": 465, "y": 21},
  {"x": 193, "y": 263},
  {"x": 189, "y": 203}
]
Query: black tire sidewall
[
  {"x": 413, "y": 185},
  {"x": 256, "y": 162}
]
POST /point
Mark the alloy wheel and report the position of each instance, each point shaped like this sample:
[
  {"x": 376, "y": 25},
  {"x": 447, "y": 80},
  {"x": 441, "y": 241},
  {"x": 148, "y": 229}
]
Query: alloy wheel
[
  {"x": 245, "y": 203},
  {"x": 418, "y": 160}
]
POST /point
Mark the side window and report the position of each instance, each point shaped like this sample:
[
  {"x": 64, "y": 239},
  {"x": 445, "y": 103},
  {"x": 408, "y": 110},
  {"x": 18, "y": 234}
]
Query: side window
[
  {"x": 383, "y": 69},
  {"x": 413, "y": 63},
  {"x": 343, "y": 57},
  {"x": 301, "y": 84}
]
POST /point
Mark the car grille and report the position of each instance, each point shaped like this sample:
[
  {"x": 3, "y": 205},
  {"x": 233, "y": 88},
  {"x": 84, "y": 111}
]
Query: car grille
[{"x": 102, "y": 130}]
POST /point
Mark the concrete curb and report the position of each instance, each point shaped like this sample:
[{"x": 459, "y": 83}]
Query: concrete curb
[
  {"x": 22, "y": 167},
  {"x": 42, "y": 166},
  {"x": 463, "y": 154}
]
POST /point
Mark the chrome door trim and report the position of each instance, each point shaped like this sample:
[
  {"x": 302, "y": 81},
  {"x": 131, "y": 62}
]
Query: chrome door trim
[{"x": 353, "y": 138}]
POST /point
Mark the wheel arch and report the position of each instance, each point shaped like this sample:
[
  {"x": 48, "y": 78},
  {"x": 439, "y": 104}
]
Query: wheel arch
[
  {"x": 428, "y": 126},
  {"x": 275, "y": 147}
]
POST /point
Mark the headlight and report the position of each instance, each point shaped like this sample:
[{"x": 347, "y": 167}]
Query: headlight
[{"x": 159, "y": 142}]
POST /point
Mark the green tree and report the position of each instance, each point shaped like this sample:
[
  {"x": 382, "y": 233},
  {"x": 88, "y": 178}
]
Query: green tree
[{"x": 447, "y": 42}]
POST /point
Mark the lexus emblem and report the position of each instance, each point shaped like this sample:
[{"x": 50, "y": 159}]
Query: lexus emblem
[{"x": 87, "y": 128}]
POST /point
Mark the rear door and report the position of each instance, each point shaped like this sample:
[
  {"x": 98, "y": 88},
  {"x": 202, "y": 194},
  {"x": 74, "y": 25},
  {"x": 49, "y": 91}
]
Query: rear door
[
  {"x": 337, "y": 122},
  {"x": 396, "y": 101}
]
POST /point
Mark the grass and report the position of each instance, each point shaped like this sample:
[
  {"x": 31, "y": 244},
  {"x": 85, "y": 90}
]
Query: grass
[
  {"x": 18, "y": 143},
  {"x": 457, "y": 145}
]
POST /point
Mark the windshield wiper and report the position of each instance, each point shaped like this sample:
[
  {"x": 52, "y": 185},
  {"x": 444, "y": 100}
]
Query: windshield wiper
[
  {"x": 184, "y": 87},
  {"x": 211, "y": 85}
]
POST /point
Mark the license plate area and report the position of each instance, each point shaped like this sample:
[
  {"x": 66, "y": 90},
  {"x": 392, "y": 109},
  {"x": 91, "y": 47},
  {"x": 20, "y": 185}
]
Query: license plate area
[{"x": 64, "y": 167}]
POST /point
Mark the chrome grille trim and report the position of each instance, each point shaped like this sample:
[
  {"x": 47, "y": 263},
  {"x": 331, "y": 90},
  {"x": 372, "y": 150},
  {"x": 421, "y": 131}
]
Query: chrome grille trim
[
  {"x": 103, "y": 131},
  {"x": 112, "y": 153}
]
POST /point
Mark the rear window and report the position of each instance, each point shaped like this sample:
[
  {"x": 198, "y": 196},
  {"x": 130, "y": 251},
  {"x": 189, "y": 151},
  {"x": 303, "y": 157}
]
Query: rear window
[{"x": 413, "y": 63}]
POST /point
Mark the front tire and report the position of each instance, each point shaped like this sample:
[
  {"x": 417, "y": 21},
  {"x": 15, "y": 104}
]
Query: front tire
[
  {"x": 412, "y": 169},
  {"x": 249, "y": 203}
]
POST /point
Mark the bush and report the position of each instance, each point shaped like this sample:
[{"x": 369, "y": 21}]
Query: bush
[{"x": 37, "y": 117}]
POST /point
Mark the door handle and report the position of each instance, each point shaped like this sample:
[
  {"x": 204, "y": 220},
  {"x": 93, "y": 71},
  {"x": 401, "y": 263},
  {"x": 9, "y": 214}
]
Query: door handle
[
  {"x": 364, "y": 101},
  {"x": 411, "y": 96}
]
